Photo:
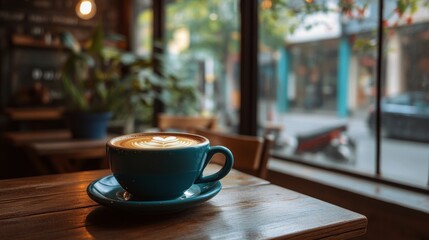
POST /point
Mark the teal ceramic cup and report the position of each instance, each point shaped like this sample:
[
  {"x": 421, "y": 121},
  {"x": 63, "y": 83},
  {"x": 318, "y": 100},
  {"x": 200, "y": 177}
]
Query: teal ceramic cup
[{"x": 162, "y": 166}]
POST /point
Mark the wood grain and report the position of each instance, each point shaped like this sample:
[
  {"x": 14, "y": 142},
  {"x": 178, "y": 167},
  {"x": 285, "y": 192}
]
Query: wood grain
[
  {"x": 66, "y": 147},
  {"x": 20, "y": 138},
  {"x": 28, "y": 114},
  {"x": 67, "y": 155},
  {"x": 57, "y": 206},
  {"x": 236, "y": 213},
  {"x": 251, "y": 153},
  {"x": 187, "y": 123},
  {"x": 15, "y": 189}
]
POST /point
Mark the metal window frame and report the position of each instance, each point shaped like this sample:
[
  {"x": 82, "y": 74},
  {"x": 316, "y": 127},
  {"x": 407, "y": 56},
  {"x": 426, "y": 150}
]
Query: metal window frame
[{"x": 249, "y": 67}]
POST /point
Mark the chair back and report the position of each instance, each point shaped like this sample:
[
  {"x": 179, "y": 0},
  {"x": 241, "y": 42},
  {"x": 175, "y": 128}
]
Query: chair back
[
  {"x": 186, "y": 123},
  {"x": 251, "y": 153}
]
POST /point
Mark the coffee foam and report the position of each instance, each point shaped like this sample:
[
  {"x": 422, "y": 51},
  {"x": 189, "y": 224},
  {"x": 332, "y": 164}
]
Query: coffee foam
[{"x": 156, "y": 142}]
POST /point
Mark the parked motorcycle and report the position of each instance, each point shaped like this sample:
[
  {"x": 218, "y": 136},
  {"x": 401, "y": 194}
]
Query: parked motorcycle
[
  {"x": 342, "y": 148},
  {"x": 333, "y": 142}
]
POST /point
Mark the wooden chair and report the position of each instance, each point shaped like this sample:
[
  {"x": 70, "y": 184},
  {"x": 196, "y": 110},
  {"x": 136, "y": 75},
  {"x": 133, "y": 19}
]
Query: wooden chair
[
  {"x": 185, "y": 123},
  {"x": 251, "y": 153}
]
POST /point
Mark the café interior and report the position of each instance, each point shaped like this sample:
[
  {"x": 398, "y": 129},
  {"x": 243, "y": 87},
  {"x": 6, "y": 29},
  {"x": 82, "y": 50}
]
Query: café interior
[{"x": 188, "y": 66}]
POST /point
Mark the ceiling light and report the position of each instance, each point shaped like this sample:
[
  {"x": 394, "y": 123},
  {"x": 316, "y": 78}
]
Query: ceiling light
[{"x": 86, "y": 9}]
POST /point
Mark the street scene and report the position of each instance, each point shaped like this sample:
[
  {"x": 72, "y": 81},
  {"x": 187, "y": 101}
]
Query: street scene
[
  {"x": 401, "y": 160},
  {"x": 320, "y": 88}
]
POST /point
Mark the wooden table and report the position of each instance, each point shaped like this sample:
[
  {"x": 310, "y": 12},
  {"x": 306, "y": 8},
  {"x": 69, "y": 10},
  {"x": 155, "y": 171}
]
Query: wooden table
[
  {"x": 57, "y": 206},
  {"x": 66, "y": 155},
  {"x": 30, "y": 114},
  {"x": 22, "y": 138},
  {"x": 32, "y": 118}
]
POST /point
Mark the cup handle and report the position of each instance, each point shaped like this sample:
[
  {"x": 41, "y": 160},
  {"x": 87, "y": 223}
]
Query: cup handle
[{"x": 229, "y": 161}]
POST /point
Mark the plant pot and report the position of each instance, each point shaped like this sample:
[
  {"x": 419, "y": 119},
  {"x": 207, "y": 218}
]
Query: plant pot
[{"x": 88, "y": 125}]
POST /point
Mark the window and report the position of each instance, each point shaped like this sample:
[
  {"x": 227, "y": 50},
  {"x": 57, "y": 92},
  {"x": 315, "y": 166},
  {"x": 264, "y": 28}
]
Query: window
[
  {"x": 320, "y": 80},
  {"x": 202, "y": 45},
  {"x": 318, "y": 85},
  {"x": 142, "y": 28}
]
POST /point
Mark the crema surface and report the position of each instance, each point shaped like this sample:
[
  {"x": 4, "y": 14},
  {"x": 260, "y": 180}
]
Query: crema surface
[{"x": 155, "y": 142}]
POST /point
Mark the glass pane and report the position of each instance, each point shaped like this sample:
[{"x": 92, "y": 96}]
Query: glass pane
[
  {"x": 405, "y": 94},
  {"x": 317, "y": 69},
  {"x": 142, "y": 28},
  {"x": 317, "y": 81},
  {"x": 203, "y": 48}
]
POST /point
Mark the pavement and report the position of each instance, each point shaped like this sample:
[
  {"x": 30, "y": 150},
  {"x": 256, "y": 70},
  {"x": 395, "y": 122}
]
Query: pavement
[{"x": 401, "y": 160}]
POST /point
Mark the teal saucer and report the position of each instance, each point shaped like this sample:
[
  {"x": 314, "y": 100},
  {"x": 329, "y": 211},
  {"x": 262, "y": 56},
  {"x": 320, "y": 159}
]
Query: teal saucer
[{"x": 107, "y": 192}]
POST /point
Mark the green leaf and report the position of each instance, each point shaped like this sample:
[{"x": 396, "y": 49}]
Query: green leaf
[
  {"x": 70, "y": 42},
  {"x": 128, "y": 58},
  {"x": 76, "y": 95},
  {"x": 97, "y": 41},
  {"x": 110, "y": 53}
]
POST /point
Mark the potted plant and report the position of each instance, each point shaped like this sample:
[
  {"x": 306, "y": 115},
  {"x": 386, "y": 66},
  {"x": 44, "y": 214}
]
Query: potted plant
[
  {"x": 180, "y": 95},
  {"x": 101, "y": 81}
]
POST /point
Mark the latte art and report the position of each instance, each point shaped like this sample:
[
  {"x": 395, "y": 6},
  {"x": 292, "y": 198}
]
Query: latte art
[
  {"x": 159, "y": 141},
  {"x": 164, "y": 142}
]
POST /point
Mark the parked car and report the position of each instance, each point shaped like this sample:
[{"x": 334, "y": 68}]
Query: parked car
[{"x": 404, "y": 116}]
